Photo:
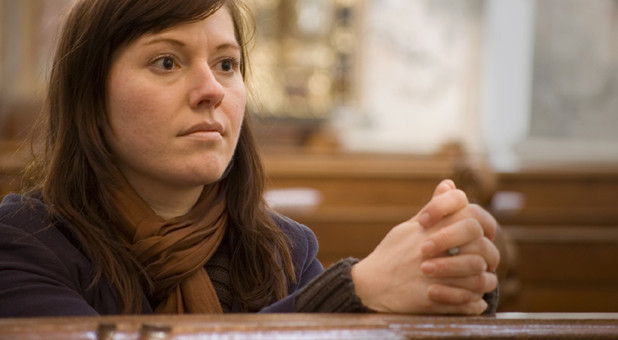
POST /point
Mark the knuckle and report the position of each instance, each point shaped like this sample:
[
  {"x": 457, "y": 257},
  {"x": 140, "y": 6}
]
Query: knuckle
[
  {"x": 498, "y": 258},
  {"x": 485, "y": 246},
  {"x": 492, "y": 282},
  {"x": 481, "y": 306},
  {"x": 478, "y": 264},
  {"x": 473, "y": 227},
  {"x": 460, "y": 195},
  {"x": 483, "y": 215},
  {"x": 442, "y": 238},
  {"x": 441, "y": 266},
  {"x": 475, "y": 210},
  {"x": 493, "y": 250},
  {"x": 480, "y": 283},
  {"x": 464, "y": 297},
  {"x": 473, "y": 308}
]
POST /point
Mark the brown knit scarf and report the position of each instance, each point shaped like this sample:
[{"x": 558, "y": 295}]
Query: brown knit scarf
[{"x": 173, "y": 252}]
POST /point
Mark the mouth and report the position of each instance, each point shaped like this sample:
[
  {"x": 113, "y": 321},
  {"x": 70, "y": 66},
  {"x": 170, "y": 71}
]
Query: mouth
[{"x": 203, "y": 128}]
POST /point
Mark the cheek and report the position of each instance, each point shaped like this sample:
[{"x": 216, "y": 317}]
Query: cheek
[
  {"x": 134, "y": 109},
  {"x": 239, "y": 105}
]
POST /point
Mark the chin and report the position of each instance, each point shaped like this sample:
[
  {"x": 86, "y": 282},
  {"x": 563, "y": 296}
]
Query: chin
[
  {"x": 211, "y": 177},
  {"x": 208, "y": 172}
]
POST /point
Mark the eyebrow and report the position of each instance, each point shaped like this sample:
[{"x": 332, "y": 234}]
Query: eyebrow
[
  {"x": 224, "y": 46},
  {"x": 165, "y": 40}
]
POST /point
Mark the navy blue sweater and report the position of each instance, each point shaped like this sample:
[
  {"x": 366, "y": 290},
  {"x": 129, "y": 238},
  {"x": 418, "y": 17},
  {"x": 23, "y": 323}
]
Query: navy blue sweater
[{"x": 43, "y": 272}]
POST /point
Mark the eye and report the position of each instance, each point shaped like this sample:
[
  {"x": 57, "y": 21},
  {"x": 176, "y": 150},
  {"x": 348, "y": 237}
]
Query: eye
[
  {"x": 228, "y": 65},
  {"x": 166, "y": 63}
]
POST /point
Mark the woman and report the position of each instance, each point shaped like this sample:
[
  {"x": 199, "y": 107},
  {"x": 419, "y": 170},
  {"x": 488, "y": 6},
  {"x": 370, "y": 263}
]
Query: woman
[{"x": 148, "y": 194}]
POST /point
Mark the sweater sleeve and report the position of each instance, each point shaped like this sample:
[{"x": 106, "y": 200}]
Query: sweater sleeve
[
  {"x": 315, "y": 290},
  {"x": 34, "y": 281},
  {"x": 331, "y": 292}
]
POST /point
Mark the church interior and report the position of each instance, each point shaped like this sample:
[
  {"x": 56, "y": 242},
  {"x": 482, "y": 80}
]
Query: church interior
[{"x": 362, "y": 106}]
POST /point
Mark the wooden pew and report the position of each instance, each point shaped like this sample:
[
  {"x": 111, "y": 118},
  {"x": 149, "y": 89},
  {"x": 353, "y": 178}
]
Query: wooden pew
[
  {"x": 313, "y": 326},
  {"x": 564, "y": 227},
  {"x": 560, "y": 196}
]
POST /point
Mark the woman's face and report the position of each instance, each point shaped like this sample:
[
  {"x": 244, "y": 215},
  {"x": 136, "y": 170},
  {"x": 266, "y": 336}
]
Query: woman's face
[{"x": 175, "y": 102}]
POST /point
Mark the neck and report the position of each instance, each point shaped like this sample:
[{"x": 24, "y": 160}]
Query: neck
[
  {"x": 166, "y": 202},
  {"x": 171, "y": 206}
]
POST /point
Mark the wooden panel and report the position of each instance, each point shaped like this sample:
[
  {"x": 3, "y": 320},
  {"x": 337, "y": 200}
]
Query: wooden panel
[
  {"x": 359, "y": 180},
  {"x": 564, "y": 297},
  {"x": 562, "y": 197},
  {"x": 351, "y": 231},
  {"x": 563, "y": 269},
  {"x": 564, "y": 231},
  {"x": 567, "y": 254}
]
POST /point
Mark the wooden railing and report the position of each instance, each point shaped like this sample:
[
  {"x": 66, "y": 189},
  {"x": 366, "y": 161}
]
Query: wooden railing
[{"x": 313, "y": 326}]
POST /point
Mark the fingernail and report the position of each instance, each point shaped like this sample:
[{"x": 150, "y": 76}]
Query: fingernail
[
  {"x": 450, "y": 183},
  {"x": 428, "y": 268},
  {"x": 423, "y": 220},
  {"x": 428, "y": 248}
]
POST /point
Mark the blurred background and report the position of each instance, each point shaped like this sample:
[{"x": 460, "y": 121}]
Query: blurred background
[{"x": 362, "y": 106}]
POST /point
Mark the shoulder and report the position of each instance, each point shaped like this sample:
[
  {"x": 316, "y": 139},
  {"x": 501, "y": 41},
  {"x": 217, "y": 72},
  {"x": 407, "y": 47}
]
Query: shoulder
[
  {"x": 30, "y": 215},
  {"x": 303, "y": 248},
  {"x": 50, "y": 275},
  {"x": 302, "y": 238},
  {"x": 25, "y": 221},
  {"x": 26, "y": 213},
  {"x": 27, "y": 218}
]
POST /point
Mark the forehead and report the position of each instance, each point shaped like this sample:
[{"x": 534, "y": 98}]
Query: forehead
[{"x": 218, "y": 24}]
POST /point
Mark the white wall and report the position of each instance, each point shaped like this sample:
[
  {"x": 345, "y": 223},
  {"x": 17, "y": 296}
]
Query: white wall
[
  {"x": 506, "y": 78},
  {"x": 420, "y": 78}
]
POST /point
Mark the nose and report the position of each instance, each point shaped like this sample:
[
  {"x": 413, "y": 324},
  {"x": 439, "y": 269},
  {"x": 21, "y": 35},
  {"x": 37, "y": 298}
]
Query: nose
[{"x": 205, "y": 89}]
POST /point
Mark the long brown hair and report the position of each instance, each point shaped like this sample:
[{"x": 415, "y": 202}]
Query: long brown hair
[{"x": 75, "y": 169}]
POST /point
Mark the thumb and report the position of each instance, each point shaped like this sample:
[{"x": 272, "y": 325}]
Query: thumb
[{"x": 444, "y": 186}]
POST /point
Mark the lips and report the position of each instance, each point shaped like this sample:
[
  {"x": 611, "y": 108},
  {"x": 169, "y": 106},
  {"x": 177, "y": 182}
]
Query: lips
[{"x": 203, "y": 127}]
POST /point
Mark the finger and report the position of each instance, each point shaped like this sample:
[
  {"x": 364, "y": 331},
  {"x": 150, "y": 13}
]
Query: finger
[
  {"x": 459, "y": 233},
  {"x": 484, "y": 283},
  {"x": 454, "y": 266},
  {"x": 488, "y": 222},
  {"x": 485, "y": 248},
  {"x": 440, "y": 206},
  {"x": 473, "y": 308},
  {"x": 452, "y": 295},
  {"x": 444, "y": 186}
]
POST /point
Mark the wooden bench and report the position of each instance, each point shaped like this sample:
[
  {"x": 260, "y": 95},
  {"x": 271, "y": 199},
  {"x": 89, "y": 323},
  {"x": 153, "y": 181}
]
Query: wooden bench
[
  {"x": 314, "y": 326},
  {"x": 563, "y": 224}
]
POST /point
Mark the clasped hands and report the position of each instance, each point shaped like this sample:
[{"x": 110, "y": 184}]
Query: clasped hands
[{"x": 411, "y": 271}]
